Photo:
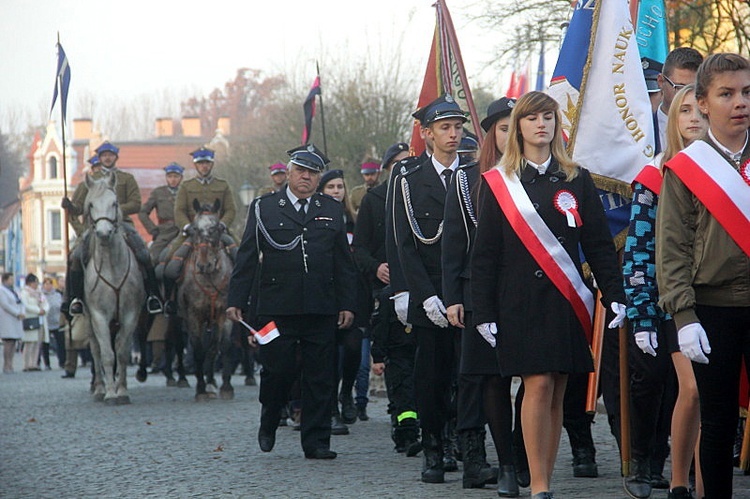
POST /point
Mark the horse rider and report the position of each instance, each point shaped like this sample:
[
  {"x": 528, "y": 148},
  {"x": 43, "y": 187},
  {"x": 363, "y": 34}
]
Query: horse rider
[
  {"x": 206, "y": 188},
  {"x": 278, "y": 179},
  {"x": 162, "y": 199},
  {"x": 129, "y": 199},
  {"x": 305, "y": 282}
]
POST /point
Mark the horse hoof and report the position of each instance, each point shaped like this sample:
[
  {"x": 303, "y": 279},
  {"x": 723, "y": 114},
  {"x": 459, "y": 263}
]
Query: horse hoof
[
  {"x": 141, "y": 375},
  {"x": 202, "y": 397},
  {"x": 122, "y": 400},
  {"x": 98, "y": 397},
  {"x": 183, "y": 383},
  {"x": 110, "y": 401},
  {"x": 226, "y": 393},
  {"x": 171, "y": 382},
  {"x": 250, "y": 381}
]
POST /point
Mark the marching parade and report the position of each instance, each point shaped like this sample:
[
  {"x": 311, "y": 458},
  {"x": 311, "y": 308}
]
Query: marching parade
[{"x": 572, "y": 257}]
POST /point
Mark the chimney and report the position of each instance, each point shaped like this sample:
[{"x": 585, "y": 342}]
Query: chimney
[
  {"x": 191, "y": 126},
  {"x": 224, "y": 126},
  {"x": 164, "y": 127},
  {"x": 83, "y": 129}
]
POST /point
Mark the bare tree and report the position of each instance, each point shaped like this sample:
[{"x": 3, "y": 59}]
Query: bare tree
[{"x": 710, "y": 25}]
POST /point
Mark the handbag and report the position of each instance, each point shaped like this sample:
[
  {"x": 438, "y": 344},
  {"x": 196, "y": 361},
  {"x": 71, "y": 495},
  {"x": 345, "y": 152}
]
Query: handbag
[{"x": 31, "y": 323}]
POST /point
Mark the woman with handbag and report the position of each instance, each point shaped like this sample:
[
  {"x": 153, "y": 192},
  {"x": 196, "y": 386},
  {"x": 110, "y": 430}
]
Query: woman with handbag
[
  {"x": 35, "y": 306},
  {"x": 11, "y": 315}
]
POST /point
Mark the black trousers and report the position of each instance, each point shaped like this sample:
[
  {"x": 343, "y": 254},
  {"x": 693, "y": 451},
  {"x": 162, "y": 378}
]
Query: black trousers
[
  {"x": 399, "y": 382},
  {"x": 312, "y": 336},
  {"x": 728, "y": 331},
  {"x": 434, "y": 368}
]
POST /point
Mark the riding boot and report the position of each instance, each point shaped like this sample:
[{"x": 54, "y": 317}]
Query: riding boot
[
  {"x": 476, "y": 475},
  {"x": 75, "y": 293},
  {"x": 153, "y": 302},
  {"x": 170, "y": 304},
  {"x": 230, "y": 245},
  {"x": 432, "y": 463}
]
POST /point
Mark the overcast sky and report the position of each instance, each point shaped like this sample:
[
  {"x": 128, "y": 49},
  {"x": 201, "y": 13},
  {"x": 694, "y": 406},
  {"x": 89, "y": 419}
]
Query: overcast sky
[{"x": 135, "y": 47}]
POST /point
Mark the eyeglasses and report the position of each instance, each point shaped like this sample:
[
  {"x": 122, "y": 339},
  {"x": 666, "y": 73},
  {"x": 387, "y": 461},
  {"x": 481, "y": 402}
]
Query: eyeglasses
[{"x": 676, "y": 86}]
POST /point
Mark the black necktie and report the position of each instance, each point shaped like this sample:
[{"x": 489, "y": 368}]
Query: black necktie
[
  {"x": 447, "y": 173},
  {"x": 301, "y": 210}
]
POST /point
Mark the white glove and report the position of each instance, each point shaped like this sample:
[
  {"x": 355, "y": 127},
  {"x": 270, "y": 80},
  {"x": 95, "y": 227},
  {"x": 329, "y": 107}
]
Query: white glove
[
  {"x": 435, "y": 311},
  {"x": 401, "y": 304},
  {"x": 488, "y": 330},
  {"x": 619, "y": 309},
  {"x": 646, "y": 341},
  {"x": 694, "y": 342}
]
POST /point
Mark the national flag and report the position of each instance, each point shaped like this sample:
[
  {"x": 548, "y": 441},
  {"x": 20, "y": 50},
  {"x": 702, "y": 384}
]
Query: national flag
[
  {"x": 512, "y": 92},
  {"x": 651, "y": 30},
  {"x": 540, "y": 77},
  {"x": 445, "y": 74},
  {"x": 266, "y": 335},
  {"x": 309, "y": 109},
  {"x": 599, "y": 84},
  {"x": 62, "y": 81},
  {"x": 519, "y": 84}
]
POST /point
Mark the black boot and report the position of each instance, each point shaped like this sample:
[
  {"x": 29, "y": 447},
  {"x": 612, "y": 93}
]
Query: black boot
[
  {"x": 337, "y": 425},
  {"x": 170, "y": 304},
  {"x": 658, "y": 481},
  {"x": 408, "y": 431},
  {"x": 520, "y": 460},
  {"x": 476, "y": 475},
  {"x": 432, "y": 463},
  {"x": 75, "y": 293},
  {"x": 348, "y": 410},
  {"x": 507, "y": 481},
  {"x": 638, "y": 484},
  {"x": 450, "y": 447},
  {"x": 153, "y": 302},
  {"x": 582, "y": 445}
]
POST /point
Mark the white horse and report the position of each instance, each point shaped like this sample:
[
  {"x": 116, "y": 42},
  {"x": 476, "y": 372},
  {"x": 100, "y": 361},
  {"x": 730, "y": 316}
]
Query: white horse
[{"x": 114, "y": 291}]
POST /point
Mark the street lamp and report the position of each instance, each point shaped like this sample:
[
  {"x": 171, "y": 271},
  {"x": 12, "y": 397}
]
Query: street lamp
[{"x": 247, "y": 193}]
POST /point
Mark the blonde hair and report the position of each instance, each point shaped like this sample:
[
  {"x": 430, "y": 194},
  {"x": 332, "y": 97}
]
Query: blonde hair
[
  {"x": 675, "y": 142},
  {"x": 532, "y": 103}
]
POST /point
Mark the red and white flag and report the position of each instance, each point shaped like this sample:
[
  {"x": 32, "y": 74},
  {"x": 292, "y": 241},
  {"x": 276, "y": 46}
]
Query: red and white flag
[{"x": 266, "y": 335}]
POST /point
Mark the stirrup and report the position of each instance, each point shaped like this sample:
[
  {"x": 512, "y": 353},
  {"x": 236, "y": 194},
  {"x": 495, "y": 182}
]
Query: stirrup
[
  {"x": 153, "y": 305},
  {"x": 76, "y": 307}
]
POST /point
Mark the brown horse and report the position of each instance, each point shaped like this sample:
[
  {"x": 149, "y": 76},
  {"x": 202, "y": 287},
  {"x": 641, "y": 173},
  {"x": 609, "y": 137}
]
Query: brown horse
[{"x": 202, "y": 299}]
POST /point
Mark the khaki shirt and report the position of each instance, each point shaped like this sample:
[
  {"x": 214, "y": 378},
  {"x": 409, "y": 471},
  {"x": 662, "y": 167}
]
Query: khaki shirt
[
  {"x": 128, "y": 195},
  {"x": 697, "y": 261},
  {"x": 163, "y": 201},
  {"x": 205, "y": 194},
  {"x": 355, "y": 197}
]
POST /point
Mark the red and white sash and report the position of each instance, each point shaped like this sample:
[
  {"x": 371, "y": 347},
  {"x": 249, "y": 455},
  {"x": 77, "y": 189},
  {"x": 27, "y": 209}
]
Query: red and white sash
[
  {"x": 720, "y": 188},
  {"x": 542, "y": 244},
  {"x": 650, "y": 177}
]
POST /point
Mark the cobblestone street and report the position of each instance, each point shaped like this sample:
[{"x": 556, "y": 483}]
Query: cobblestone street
[{"x": 58, "y": 443}]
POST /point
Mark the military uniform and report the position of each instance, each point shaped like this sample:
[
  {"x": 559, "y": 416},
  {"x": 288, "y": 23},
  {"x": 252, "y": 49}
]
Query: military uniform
[
  {"x": 162, "y": 199},
  {"x": 305, "y": 279},
  {"x": 356, "y": 196},
  {"x": 206, "y": 191},
  {"x": 128, "y": 194}
]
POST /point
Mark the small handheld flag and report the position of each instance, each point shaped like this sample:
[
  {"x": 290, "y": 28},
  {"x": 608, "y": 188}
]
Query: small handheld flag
[
  {"x": 62, "y": 81},
  {"x": 266, "y": 335}
]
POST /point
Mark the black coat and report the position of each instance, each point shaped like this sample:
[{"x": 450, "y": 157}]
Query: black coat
[
  {"x": 369, "y": 234},
  {"x": 283, "y": 286},
  {"x": 420, "y": 262},
  {"x": 538, "y": 330}
]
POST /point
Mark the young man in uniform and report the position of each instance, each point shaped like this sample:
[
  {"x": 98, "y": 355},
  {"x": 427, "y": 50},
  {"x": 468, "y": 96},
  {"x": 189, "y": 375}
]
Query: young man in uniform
[
  {"x": 370, "y": 171},
  {"x": 129, "y": 199},
  {"x": 304, "y": 288},
  {"x": 278, "y": 179},
  {"x": 162, "y": 199},
  {"x": 419, "y": 203}
]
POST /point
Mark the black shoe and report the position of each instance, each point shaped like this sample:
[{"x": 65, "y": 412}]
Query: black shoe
[
  {"x": 153, "y": 305},
  {"x": 338, "y": 427},
  {"x": 584, "y": 465},
  {"x": 523, "y": 477},
  {"x": 170, "y": 307},
  {"x": 266, "y": 440},
  {"x": 76, "y": 307},
  {"x": 68, "y": 375},
  {"x": 543, "y": 495},
  {"x": 432, "y": 460},
  {"x": 321, "y": 454},
  {"x": 638, "y": 485},
  {"x": 348, "y": 411},
  {"x": 507, "y": 481},
  {"x": 679, "y": 493},
  {"x": 362, "y": 413},
  {"x": 659, "y": 482}
]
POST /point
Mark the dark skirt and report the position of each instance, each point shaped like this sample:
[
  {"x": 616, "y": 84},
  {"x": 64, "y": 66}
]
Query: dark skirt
[{"x": 477, "y": 356}]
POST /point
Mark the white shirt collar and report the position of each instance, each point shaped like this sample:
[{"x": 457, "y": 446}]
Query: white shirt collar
[
  {"x": 439, "y": 167},
  {"x": 294, "y": 199},
  {"x": 542, "y": 169},
  {"x": 734, "y": 156}
]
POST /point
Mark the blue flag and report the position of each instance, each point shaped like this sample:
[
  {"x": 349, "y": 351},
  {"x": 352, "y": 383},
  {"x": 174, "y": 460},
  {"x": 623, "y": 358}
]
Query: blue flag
[
  {"x": 651, "y": 30},
  {"x": 540, "y": 71},
  {"x": 62, "y": 81}
]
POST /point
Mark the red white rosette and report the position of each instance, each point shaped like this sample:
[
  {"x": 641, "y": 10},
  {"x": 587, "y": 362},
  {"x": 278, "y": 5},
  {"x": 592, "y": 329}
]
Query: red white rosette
[
  {"x": 745, "y": 172},
  {"x": 566, "y": 203}
]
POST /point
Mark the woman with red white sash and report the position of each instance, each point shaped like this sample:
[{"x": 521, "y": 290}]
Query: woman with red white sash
[
  {"x": 654, "y": 338},
  {"x": 537, "y": 210},
  {"x": 702, "y": 257}
]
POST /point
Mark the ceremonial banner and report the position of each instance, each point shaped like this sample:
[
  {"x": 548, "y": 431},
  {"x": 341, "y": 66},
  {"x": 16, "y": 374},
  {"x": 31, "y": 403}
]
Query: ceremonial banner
[
  {"x": 62, "y": 82},
  {"x": 445, "y": 74},
  {"x": 599, "y": 84},
  {"x": 309, "y": 108},
  {"x": 651, "y": 30}
]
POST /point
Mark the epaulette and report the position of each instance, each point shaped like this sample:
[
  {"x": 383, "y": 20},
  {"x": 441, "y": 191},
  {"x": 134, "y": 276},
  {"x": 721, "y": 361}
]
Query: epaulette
[
  {"x": 468, "y": 165},
  {"x": 267, "y": 194},
  {"x": 323, "y": 194},
  {"x": 409, "y": 165}
]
